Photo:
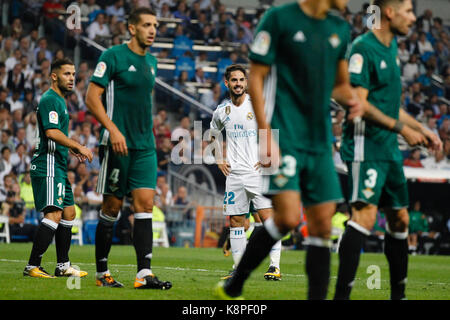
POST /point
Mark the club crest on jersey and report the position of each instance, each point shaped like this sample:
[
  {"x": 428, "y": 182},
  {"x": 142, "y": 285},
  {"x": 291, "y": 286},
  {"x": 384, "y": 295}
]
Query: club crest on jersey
[
  {"x": 250, "y": 116},
  {"x": 368, "y": 193},
  {"x": 334, "y": 40},
  {"x": 228, "y": 110},
  {"x": 60, "y": 201}
]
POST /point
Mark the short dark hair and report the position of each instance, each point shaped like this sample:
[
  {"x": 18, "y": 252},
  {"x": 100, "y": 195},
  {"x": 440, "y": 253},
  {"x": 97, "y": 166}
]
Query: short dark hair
[
  {"x": 234, "y": 67},
  {"x": 56, "y": 64},
  {"x": 135, "y": 15},
  {"x": 383, "y": 3}
]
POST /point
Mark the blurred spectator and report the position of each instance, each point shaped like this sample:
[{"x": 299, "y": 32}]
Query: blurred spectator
[
  {"x": 86, "y": 137},
  {"x": 93, "y": 197},
  {"x": 6, "y": 140},
  {"x": 116, "y": 10},
  {"x": 425, "y": 21},
  {"x": 6, "y": 161},
  {"x": 7, "y": 49},
  {"x": 411, "y": 69},
  {"x": 16, "y": 80},
  {"x": 52, "y": 8},
  {"x": 165, "y": 12},
  {"x": 436, "y": 161},
  {"x": 163, "y": 154},
  {"x": 21, "y": 138},
  {"x": 411, "y": 43},
  {"x": 415, "y": 108},
  {"x": 20, "y": 160},
  {"x": 31, "y": 129},
  {"x": 42, "y": 47},
  {"x": 14, "y": 208},
  {"x": 4, "y": 104},
  {"x": 444, "y": 128},
  {"x": 200, "y": 76},
  {"x": 403, "y": 53},
  {"x": 98, "y": 29},
  {"x": 7, "y": 182},
  {"x": 210, "y": 99},
  {"x": 431, "y": 125},
  {"x": 414, "y": 159},
  {"x": 423, "y": 44},
  {"x": 13, "y": 60},
  {"x": 92, "y": 6},
  {"x": 182, "y": 13}
]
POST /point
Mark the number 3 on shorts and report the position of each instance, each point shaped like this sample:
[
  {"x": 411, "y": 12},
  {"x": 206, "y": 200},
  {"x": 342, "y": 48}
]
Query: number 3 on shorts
[{"x": 371, "y": 180}]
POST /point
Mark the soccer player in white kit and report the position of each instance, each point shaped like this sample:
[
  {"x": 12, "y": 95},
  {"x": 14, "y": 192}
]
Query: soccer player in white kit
[{"x": 242, "y": 167}]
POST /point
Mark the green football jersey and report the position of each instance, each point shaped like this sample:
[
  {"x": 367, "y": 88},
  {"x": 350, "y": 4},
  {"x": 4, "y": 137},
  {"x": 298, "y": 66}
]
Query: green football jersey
[
  {"x": 128, "y": 79},
  {"x": 303, "y": 53},
  {"x": 375, "y": 67},
  {"x": 50, "y": 158}
]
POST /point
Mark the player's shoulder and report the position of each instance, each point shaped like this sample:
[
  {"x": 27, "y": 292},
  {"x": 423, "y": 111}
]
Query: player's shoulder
[
  {"x": 222, "y": 106},
  {"x": 338, "y": 22},
  {"x": 49, "y": 97},
  {"x": 363, "y": 41}
]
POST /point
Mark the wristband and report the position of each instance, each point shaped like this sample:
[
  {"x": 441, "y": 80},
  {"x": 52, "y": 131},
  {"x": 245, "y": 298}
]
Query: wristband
[{"x": 398, "y": 126}]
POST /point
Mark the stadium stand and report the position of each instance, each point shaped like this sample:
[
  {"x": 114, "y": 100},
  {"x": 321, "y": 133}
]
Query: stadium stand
[{"x": 197, "y": 40}]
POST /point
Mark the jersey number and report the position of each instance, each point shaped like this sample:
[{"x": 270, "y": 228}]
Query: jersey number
[
  {"x": 288, "y": 166},
  {"x": 230, "y": 196},
  {"x": 61, "y": 189}
]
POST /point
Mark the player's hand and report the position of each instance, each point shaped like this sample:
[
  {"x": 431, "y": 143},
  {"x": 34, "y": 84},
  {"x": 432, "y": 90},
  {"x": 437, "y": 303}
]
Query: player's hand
[
  {"x": 434, "y": 142},
  {"x": 83, "y": 153},
  {"x": 80, "y": 157},
  {"x": 356, "y": 108},
  {"x": 413, "y": 137},
  {"x": 225, "y": 168},
  {"x": 118, "y": 142}
]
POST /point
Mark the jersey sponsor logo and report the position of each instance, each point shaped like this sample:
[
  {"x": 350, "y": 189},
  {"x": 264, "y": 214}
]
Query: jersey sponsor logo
[
  {"x": 132, "y": 68},
  {"x": 356, "y": 63},
  {"x": 100, "y": 69},
  {"x": 261, "y": 44},
  {"x": 383, "y": 65},
  {"x": 53, "y": 117},
  {"x": 334, "y": 40},
  {"x": 250, "y": 116},
  {"x": 299, "y": 37}
]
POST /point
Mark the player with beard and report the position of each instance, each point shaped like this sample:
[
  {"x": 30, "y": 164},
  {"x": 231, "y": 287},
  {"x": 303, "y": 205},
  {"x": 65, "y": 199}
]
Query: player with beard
[
  {"x": 120, "y": 98},
  {"x": 242, "y": 167},
  {"x": 51, "y": 188},
  {"x": 376, "y": 178}
]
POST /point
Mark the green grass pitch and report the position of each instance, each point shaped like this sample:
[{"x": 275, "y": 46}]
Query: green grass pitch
[{"x": 195, "y": 271}]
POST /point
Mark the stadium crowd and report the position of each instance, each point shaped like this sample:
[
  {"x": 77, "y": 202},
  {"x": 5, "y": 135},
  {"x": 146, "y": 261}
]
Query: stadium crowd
[{"x": 26, "y": 56}]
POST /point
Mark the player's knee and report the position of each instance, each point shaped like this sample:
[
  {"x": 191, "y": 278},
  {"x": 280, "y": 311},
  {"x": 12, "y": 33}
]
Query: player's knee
[
  {"x": 144, "y": 205},
  {"x": 111, "y": 210},
  {"x": 288, "y": 223},
  {"x": 320, "y": 229}
]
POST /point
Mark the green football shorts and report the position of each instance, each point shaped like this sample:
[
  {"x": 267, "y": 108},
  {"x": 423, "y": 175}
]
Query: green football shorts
[
  {"x": 381, "y": 183},
  {"x": 119, "y": 175},
  {"x": 311, "y": 174},
  {"x": 52, "y": 192}
]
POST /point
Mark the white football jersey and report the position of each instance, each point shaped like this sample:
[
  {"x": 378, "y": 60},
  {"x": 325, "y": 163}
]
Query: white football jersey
[{"x": 241, "y": 131}]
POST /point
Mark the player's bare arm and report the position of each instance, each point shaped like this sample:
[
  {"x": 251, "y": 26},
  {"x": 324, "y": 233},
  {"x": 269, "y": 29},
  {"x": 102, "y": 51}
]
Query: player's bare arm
[
  {"x": 95, "y": 106},
  {"x": 59, "y": 137},
  {"x": 372, "y": 113},
  {"x": 257, "y": 74},
  {"x": 344, "y": 93}
]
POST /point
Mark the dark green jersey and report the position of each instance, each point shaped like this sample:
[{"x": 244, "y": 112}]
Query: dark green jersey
[
  {"x": 375, "y": 67},
  {"x": 50, "y": 158},
  {"x": 303, "y": 53},
  {"x": 128, "y": 79}
]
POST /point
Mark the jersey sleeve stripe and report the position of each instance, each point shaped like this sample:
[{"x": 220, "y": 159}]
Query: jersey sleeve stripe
[{"x": 270, "y": 85}]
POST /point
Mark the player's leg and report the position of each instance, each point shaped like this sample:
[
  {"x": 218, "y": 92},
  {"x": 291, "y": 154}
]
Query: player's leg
[
  {"x": 396, "y": 250},
  {"x": 112, "y": 184},
  {"x": 45, "y": 198},
  {"x": 42, "y": 240},
  {"x": 395, "y": 200},
  {"x": 350, "y": 245},
  {"x": 142, "y": 184},
  {"x": 103, "y": 240},
  {"x": 366, "y": 180},
  {"x": 273, "y": 272},
  {"x": 238, "y": 239},
  {"x": 286, "y": 217},
  {"x": 63, "y": 237}
]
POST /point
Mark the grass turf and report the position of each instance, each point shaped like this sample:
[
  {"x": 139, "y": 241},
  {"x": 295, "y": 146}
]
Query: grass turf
[{"x": 195, "y": 271}]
